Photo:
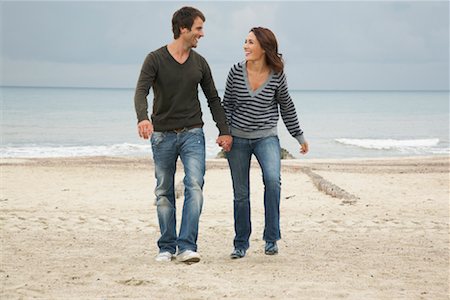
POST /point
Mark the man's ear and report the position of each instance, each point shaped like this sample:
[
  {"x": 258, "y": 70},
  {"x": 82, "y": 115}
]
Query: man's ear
[{"x": 184, "y": 30}]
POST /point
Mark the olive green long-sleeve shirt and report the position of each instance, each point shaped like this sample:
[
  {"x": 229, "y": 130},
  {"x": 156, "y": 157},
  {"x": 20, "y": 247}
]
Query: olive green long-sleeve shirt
[{"x": 175, "y": 88}]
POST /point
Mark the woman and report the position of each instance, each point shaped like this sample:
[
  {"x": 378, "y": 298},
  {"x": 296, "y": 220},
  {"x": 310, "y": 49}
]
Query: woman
[{"x": 255, "y": 89}]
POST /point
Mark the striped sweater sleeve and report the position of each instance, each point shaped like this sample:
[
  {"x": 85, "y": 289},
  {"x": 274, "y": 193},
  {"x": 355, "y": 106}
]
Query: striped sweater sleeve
[
  {"x": 287, "y": 110},
  {"x": 228, "y": 101}
]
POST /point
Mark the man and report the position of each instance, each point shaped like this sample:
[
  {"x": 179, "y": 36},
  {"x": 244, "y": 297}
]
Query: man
[{"x": 175, "y": 71}]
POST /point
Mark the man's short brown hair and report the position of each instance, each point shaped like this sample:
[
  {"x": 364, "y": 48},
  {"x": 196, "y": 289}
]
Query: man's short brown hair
[{"x": 184, "y": 18}]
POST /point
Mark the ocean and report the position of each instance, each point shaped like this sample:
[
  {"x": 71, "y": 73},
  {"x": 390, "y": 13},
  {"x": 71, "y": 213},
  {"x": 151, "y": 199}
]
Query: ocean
[{"x": 67, "y": 122}]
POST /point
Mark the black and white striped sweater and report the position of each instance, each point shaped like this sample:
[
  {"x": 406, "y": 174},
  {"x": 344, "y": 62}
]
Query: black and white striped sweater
[{"x": 254, "y": 114}]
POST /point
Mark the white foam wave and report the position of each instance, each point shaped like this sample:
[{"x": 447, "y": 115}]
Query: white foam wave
[
  {"x": 125, "y": 149},
  {"x": 415, "y": 146},
  {"x": 440, "y": 151}
]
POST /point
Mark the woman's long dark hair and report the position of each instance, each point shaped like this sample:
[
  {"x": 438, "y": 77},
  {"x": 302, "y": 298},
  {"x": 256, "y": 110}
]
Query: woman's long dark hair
[{"x": 269, "y": 43}]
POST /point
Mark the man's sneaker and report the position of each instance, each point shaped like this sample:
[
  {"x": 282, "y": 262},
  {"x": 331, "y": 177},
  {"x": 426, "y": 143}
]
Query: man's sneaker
[
  {"x": 271, "y": 248},
  {"x": 164, "y": 256},
  {"x": 188, "y": 256},
  {"x": 237, "y": 253}
]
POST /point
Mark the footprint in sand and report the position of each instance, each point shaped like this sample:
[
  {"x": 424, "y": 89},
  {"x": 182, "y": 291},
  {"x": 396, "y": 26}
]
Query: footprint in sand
[
  {"x": 135, "y": 282},
  {"x": 81, "y": 220},
  {"x": 103, "y": 219}
]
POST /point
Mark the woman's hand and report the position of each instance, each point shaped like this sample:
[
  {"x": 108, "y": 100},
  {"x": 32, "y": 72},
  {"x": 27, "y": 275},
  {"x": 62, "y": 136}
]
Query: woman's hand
[{"x": 304, "y": 148}]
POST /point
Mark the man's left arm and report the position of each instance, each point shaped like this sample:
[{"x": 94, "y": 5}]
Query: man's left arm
[{"x": 209, "y": 89}]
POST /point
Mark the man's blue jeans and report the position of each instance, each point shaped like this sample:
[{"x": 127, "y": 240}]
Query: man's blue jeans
[
  {"x": 167, "y": 146},
  {"x": 267, "y": 152}
]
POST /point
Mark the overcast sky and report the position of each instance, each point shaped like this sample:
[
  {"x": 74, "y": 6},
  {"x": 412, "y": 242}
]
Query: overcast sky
[{"x": 336, "y": 45}]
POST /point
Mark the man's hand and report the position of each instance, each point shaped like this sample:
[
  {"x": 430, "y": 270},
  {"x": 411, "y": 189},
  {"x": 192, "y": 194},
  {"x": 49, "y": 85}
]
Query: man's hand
[
  {"x": 225, "y": 141},
  {"x": 145, "y": 129},
  {"x": 304, "y": 148}
]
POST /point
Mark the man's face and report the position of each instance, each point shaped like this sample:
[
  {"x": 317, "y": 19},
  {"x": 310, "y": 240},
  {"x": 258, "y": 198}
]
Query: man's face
[{"x": 192, "y": 36}]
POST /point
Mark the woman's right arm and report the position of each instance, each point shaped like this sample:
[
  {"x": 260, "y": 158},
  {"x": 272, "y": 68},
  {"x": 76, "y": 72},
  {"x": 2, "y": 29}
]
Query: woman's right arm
[{"x": 228, "y": 101}]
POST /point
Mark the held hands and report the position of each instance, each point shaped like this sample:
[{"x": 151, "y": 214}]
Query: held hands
[
  {"x": 304, "y": 148},
  {"x": 145, "y": 129},
  {"x": 225, "y": 141}
]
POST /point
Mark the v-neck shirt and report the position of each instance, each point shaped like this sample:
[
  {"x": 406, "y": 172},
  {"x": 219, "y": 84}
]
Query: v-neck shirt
[
  {"x": 255, "y": 114},
  {"x": 175, "y": 88},
  {"x": 252, "y": 92}
]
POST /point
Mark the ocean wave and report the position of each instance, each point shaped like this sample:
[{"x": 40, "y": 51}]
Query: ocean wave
[
  {"x": 124, "y": 149},
  {"x": 414, "y": 146}
]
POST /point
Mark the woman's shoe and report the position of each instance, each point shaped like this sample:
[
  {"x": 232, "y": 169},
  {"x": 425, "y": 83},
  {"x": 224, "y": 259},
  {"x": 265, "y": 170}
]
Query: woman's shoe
[
  {"x": 271, "y": 248},
  {"x": 237, "y": 253}
]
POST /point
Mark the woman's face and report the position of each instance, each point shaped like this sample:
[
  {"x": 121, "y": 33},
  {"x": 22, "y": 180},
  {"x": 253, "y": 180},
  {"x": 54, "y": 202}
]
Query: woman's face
[{"x": 252, "y": 48}]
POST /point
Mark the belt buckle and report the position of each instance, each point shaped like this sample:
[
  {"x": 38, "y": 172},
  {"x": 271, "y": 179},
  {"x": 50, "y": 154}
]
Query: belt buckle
[{"x": 180, "y": 130}]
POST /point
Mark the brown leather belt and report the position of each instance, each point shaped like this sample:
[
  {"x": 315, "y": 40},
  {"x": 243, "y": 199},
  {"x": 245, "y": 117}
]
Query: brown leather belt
[{"x": 184, "y": 129}]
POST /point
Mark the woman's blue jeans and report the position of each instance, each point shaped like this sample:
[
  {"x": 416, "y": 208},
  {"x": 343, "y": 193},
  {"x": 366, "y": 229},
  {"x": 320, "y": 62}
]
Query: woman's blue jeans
[
  {"x": 267, "y": 152},
  {"x": 167, "y": 146}
]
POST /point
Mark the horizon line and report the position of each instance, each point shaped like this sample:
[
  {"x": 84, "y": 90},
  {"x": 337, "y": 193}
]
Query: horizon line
[{"x": 297, "y": 90}]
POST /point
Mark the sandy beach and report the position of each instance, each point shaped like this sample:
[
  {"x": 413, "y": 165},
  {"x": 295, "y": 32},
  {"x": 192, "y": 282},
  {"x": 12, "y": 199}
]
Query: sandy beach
[{"x": 86, "y": 228}]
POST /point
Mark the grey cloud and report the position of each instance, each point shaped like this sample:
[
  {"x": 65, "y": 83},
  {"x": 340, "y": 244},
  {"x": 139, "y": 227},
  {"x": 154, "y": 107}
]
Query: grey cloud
[{"x": 398, "y": 44}]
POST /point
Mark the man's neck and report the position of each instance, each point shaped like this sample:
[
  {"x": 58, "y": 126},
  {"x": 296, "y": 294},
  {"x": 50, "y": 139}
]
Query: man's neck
[{"x": 178, "y": 49}]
